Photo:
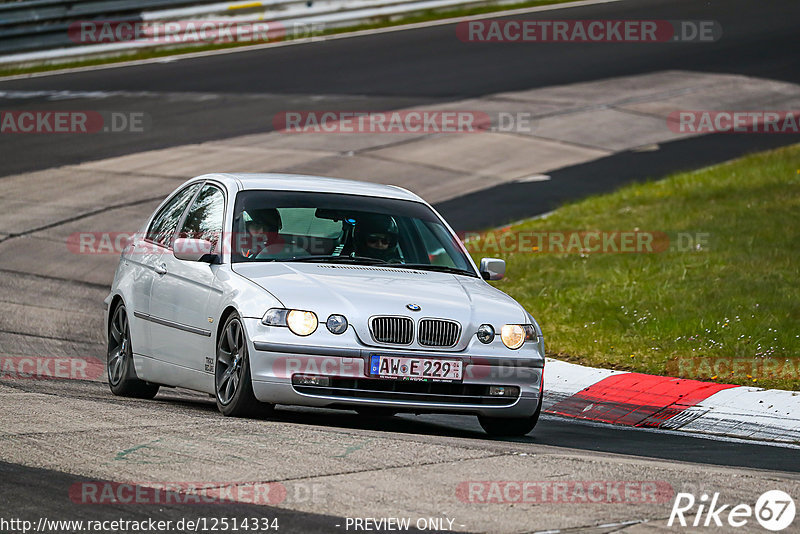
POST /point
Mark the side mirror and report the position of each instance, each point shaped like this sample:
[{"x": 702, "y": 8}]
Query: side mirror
[
  {"x": 193, "y": 250},
  {"x": 493, "y": 268}
]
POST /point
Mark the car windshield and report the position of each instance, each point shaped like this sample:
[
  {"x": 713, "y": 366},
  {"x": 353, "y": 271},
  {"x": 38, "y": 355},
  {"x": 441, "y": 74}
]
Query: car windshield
[{"x": 286, "y": 226}]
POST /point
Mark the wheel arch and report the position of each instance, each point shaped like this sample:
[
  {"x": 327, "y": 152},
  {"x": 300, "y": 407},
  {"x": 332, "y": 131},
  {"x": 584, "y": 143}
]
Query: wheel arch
[
  {"x": 223, "y": 318},
  {"x": 112, "y": 306}
]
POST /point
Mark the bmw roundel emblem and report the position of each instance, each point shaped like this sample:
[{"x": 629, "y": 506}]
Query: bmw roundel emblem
[{"x": 413, "y": 307}]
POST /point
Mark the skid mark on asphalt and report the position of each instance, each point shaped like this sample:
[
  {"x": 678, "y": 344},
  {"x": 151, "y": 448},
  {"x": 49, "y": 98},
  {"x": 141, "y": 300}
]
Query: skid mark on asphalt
[
  {"x": 85, "y": 215},
  {"x": 54, "y": 279}
]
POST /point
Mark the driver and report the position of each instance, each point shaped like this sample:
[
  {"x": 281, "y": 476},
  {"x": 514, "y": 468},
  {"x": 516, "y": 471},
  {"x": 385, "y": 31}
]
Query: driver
[
  {"x": 261, "y": 236},
  {"x": 376, "y": 237}
]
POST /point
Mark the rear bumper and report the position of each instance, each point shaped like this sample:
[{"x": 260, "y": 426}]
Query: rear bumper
[{"x": 274, "y": 364}]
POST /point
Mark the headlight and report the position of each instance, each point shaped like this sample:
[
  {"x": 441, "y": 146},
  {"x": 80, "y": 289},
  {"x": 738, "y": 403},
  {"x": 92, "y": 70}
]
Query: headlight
[
  {"x": 486, "y": 333},
  {"x": 302, "y": 323},
  {"x": 337, "y": 324},
  {"x": 515, "y": 335}
]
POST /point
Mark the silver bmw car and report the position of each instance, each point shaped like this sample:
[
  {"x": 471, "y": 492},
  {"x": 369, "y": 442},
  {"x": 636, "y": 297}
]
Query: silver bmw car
[{"x": 265, "y": 289}]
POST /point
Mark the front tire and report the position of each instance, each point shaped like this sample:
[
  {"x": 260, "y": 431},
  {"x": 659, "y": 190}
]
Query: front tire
[
  {"x": 232, "y": 384},
  {"x": 512, "y": 426},
  {"x": 122, "y": 377}
]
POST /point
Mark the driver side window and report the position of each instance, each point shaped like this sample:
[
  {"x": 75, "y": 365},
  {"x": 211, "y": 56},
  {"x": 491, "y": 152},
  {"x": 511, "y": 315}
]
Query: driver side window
[
  {"x": 205, "y": 218},
  {"x": 165, "y": 223}
]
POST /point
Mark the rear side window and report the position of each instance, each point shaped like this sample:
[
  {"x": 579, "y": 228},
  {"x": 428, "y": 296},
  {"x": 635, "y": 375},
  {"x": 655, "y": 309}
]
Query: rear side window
[
  {"x": 165, "y": 223},
  {"x": 204, "y": 219}
]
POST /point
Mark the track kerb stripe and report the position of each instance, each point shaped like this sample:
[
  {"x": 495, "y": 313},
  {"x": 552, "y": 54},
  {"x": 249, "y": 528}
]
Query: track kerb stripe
[{"x": 636, "y": 399}]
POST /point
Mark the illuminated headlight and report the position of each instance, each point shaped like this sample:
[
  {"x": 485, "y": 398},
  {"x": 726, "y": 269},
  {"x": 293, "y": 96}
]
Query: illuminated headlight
[
  {"x": 337, "y": 324},
  {"x": 515, "y": 335},
  {"x": 486, "y": 333},
  {"x": 302, "y": 323}
]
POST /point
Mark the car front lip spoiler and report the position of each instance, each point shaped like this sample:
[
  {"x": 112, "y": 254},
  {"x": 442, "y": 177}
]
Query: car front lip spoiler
[{"x": 341, "y": 352}]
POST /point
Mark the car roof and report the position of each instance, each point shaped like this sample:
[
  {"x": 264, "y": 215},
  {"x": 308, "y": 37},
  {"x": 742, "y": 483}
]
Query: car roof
[{"x": 317, "y": 184}]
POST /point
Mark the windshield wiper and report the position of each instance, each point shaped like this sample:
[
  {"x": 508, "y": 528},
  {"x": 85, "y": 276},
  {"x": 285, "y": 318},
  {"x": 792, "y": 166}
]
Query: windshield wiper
[
  {"x": 335, "y": 259},
  {"x": 431, "y": 267}
]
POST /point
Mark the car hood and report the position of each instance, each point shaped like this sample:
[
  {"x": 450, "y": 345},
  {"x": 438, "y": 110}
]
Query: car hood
[{"x": 360, "y": 292}]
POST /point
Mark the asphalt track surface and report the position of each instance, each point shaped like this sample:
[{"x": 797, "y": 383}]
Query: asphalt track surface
[
  {"x": 32, "y": 493},
  {"x": 213, "y": 97},
  {"x": 216, "y": 97}
]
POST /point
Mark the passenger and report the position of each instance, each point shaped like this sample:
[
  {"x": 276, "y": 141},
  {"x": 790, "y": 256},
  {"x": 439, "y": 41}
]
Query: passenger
[{"x": 376, "y": 236}]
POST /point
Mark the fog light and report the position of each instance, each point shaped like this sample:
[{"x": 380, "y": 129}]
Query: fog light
[
  {"x": 337, "y": 324},
  {"x": 486, "y": 333},
  {"x": 503, "y": 391},
  {"x": 311, "y": 380}
]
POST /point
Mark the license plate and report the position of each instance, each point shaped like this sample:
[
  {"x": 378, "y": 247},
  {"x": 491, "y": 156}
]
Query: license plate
[{"x": 414, "y": 368}]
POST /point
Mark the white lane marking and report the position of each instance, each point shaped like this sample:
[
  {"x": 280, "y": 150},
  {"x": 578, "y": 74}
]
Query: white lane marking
[
  {"x": 533, "y": 178},
  {"x": 68, "y": 95},
  {"x": 646, "y": 148},
  {"x": 193, "y": 97},
  {"x": 361, "y": 33}
]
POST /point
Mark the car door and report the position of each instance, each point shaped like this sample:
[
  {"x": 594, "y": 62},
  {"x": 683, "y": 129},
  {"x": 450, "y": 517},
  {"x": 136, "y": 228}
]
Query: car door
[
  {"x": 145, "y": 260},
  {"x": 182, "y": 329}
]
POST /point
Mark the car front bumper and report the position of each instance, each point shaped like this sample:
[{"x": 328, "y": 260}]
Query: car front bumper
[{"x": 274, "y": 364}]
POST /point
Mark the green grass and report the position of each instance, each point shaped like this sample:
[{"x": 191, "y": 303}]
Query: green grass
[
  {"x": 381, "y": 22},
  {"x": 728, "y": 311}
]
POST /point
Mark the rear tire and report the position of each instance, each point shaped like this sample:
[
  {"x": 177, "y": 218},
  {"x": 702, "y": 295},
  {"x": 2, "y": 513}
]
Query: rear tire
[
  {"x": 232, "y": 383},
  {"x": 511, "y": 426},
  {"x": 121, "y": 373}
]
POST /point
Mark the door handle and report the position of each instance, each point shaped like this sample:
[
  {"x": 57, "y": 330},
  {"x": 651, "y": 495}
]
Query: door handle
[{"x": 161, "y": 269}]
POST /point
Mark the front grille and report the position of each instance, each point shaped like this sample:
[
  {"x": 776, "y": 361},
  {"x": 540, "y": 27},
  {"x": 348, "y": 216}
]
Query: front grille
[
  {"x": 418, "y": 392},
  {"x": 438, "y": 333},
  {"x": 393, "y": 330}
]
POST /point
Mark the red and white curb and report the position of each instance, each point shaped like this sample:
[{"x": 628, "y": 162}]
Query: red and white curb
[{"x": 640, "y": 400}]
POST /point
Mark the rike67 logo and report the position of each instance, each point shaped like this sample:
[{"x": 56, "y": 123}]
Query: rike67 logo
[{"x": 774, "y": 510}]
